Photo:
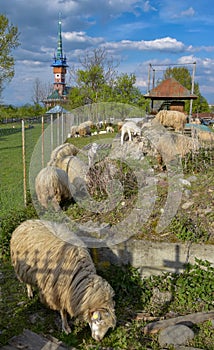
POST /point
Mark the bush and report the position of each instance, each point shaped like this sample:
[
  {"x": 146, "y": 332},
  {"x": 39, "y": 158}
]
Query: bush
[{"x": 8, "y": 224}]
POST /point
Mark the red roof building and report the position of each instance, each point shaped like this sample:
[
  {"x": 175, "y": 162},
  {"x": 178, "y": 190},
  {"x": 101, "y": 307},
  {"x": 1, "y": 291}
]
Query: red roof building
[{"x": 171, "y": 92}]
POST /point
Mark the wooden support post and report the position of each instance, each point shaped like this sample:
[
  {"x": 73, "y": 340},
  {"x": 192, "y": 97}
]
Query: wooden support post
[{"x": 24, "y": 163}]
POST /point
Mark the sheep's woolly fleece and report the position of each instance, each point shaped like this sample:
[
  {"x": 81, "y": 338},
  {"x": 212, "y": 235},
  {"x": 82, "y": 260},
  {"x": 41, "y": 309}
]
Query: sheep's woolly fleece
[
  {"x": 63, "y": 272},
  {"x": 52, "y": 187}
]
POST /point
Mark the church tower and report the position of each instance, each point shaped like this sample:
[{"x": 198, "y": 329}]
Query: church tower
[{"x": 60, "y": 66}]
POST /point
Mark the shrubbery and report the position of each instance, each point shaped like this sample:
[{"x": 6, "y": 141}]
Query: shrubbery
[{"x": 8, "y": 224}]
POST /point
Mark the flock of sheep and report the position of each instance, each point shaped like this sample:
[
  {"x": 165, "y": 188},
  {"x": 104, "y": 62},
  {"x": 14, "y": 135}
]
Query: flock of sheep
[{"x": 62, "y": 271}]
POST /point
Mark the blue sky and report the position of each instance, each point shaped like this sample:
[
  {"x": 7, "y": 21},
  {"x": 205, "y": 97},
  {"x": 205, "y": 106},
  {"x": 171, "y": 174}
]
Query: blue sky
[{"x": 135, "y": 33}]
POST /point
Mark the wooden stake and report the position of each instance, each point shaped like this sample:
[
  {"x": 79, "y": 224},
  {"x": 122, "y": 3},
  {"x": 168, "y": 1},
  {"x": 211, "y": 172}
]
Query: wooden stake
[{"x": 24, "y": 163}]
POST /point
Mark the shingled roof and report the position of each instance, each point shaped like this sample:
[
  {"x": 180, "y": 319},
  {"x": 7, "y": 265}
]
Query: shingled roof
[{"x": 170, "y": 89}]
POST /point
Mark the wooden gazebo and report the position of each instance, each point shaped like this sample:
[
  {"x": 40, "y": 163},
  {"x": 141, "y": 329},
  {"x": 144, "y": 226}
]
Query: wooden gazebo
[{"x": 172, "y": 95}]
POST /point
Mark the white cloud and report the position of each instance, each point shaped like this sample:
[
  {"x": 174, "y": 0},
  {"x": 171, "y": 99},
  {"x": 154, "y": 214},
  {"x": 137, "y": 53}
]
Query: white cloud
[
  {"x": 162, "y": 44},
  {"x": 81, "y": 37}
]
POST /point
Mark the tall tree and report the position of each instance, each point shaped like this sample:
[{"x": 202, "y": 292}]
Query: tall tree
[
  {"x": 40, "y": 91},
  {"x": 97, "y": 81},
  {"x": 100, "y": 58},
  {"x": 9, "y": 40}
]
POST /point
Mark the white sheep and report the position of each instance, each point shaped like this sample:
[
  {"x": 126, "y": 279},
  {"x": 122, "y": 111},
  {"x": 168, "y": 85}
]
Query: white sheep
[
  {"x": 64, "y": 274},
  {"x": 63, "y": 150},
  {"x": 131, "y": 128},
  {"x": 174, "y": 119},
  {"x": 52, "y": 187},
  {"x": 74, "y": 167},
  {"x": 109, "y": 129}
]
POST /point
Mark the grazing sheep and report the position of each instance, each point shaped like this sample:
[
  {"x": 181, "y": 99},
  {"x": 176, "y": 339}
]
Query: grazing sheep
[
  {"x": 63, "y": 273},
  {"x": 171, "y": 145},
  {"x": 174, "y": 119},
  {"x": 73, "y": 130},
  {"x": 84, "y": 129},
  {"x": 205, "y": 136},
  {"x": 131, "y": 128},
  {"x": 52, "y": 187},
  {"x": 74, "y": 167},
  {"x": 119, "y": 125},
  {"x": 66, "y": 149},
  {"x": 109, "y": 129}
]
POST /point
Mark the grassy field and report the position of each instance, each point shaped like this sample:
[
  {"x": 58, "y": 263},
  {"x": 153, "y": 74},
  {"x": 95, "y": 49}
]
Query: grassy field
[
  {"x": 190, "y": 291},
  {"x": 11, "y": 170}
]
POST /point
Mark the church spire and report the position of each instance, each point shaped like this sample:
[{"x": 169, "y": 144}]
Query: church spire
[
  {"x": 59, "y": 54},
  {"x": 59, "y": 59}
]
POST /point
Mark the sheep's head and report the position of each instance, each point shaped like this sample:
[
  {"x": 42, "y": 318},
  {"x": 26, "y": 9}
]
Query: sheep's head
[{"x": 100, "y": 321}]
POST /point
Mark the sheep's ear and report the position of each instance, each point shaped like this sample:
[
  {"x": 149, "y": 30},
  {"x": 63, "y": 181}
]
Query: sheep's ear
[{"x": 96, "y": 316}]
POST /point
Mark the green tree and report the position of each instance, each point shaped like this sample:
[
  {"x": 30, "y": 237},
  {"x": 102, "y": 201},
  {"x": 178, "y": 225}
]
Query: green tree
[
  {"x": 98, "y": 82},
  {"x": 9, "y": 40},
  {"x": 183, "y": 76},
  {"x": 125, "y": 91}
]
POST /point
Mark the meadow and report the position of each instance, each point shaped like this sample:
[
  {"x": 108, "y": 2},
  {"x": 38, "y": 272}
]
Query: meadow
[
  {"x": 11, "y": 173},
  {"x": 191, "y": 291}
]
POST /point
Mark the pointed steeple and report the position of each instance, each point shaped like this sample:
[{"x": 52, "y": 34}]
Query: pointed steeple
[
  {"x": 59, "y": 43},
  {"x": 59, "y": 59}
]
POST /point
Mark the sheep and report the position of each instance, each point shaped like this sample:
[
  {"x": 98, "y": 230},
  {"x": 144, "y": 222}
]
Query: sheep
[
  {"x": 131, "y": 128},
  {"x": 84, "y": 129},
  {"x": 74, "y": 167},
  {"x": 119, "y": 125},
  {"x": 73, "y": 130},
  {"x": 174, "y": 119},
  {"x": 52, "y": 187},
  {"x": 109, "y": 129},
  {"x": 66, "y": 149},
  {"x": 64, "y": 274},
  {"x": 207, "y": 136},
  {"x": 169, "y": 146}
]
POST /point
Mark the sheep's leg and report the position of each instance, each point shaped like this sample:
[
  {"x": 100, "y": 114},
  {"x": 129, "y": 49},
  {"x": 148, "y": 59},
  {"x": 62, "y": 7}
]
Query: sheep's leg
[
  {"x": 65, "y": 327},
  {"x": 122, "y": 137},
  {"x": 130, "y": 136},
  {"x": 29, "y": 291}
]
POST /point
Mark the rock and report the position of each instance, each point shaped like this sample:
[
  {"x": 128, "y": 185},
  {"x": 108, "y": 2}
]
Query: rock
[
  {"x": 187, "y": 193},
  {"x": 161, "y": 298},
  {"x": 192, "y": 178},
  {"x": 185, "y": 182},
  {"x": 30, "y": 340},
  {"x": 175, "y": 335},
  {"x": 187, "y": 205}
]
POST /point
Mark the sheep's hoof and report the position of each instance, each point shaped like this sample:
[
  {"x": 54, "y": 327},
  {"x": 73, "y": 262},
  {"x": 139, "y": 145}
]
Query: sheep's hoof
[
  {"x": 66, "y": 329},
  {"x": 29, "y": 291}
]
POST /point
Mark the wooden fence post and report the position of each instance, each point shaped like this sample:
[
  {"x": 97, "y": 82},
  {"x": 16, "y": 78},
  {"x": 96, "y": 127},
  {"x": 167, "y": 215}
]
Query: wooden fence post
[
  {"x": 24, "y": 163},
  {"x": 42, "y": 141}
]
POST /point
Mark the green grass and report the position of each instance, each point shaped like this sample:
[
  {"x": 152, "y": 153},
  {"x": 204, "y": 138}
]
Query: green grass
[
  {"x": 11, "y": 170},
  {"x": 189, "y": 292}
]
